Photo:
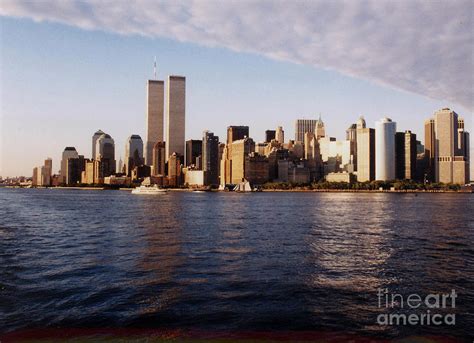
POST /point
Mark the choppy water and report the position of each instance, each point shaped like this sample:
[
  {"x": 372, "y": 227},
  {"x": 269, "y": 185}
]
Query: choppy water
[{"x": 231, "y": 262}]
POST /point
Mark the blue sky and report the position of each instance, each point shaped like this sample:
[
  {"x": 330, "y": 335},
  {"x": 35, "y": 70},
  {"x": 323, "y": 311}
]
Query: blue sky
[{"x": 60, "y": 83}]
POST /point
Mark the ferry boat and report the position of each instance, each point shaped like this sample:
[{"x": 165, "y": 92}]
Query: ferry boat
[{"x": 149, "y": 190}]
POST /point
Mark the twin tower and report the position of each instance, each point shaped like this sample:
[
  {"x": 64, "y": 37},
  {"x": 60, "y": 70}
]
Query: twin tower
[{"x": 175, "y": 107}]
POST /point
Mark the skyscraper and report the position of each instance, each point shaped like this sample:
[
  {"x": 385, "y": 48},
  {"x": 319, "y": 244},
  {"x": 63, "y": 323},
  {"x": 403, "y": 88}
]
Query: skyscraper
[
  {"x": 405, "y": 155},
  {"x": 319, "y": 130},
  {"x": 46, "y": 172},
  {"x": 280, "y": 135},
  {"x": 451, "y": 148},
  {"x": 385, "y": 130},
  {"x": 175, "y": 115},
  {"x": 234, "y": 133},
  {"x": 105, "y": 153},
  {"x": 193, "y": 151},
  {"x": 430, "y": 149},
  {"x": 302, "y": 126},
  {"x": 269, "y": 135},
  {"x": 159, "y": 151},
  {"x": 133, "y": 153},
  {"x": 95, "y": 137},
  {"x": 154, "y": 116},
  {"x": 69, "y": 152},
  {"x": 240, "y": 150},
  {"x": 210, "y": 158},
  {"x": 365, "y": 154}
]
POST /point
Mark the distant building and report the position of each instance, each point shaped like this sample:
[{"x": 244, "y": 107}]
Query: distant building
[
  {"x": 117, "y": 180},
  {"x": 175, "y": 177},
  {"x": 269, "y": 135},
  {"x": 280, "y": 135},
  {"x": 46, "y": 172},
  {"x": 240, "y": 150},
  {"x": 340, "y": 177},
  {"x": 193, "y": 151},
  {"x": 159, "y": 152},
  {"x": 69, "y": 152},
  {"x": 105, "y": 152},
  {"x": 74, "y": 168},
  {"x": 319, "y": 130},
  {"x": 140, "y": 172},
  {"x": 365, "y": 154},
  {"x": 193, "y": 178},
  {"x": 405, "y": 155},
  {"x": 154, "y": 116},
  {"x": 175, "y": 115},
  {"x": 385, "y": 130},
  {"x": 234, "y": 133},
  {"x": 430, "y": 149},
  {"x": 302, "y": 126},
  {"x": 256, "y": 169},
  {"x": 335, "y": 154},
  {"x": 95, "y": 137},
  {"x": 35, "y": 178},
  {"x": 451, "y": 148},
  {"x": 210, "y": 158},
  {"x": 133, "y": 153},
  {"x": 87, "y": 175}
]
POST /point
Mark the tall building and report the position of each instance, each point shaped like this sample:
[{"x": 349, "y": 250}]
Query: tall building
[
  {"x": 210, "y": 158},
  {"x": 133, "y": 153},
  {"x": 69, "y": 152},
  {"x": 240, "y": 150},
  {"x": 154, "y": 116},
  {"x": 105, "y": 152},
  {"x": 175, "y": 178},
  {"x": 46, "y": 172},
  {"x": 451, "y": 148},
  {"x": 269, "y": 135},
  {"x": 35, "y": 178},
  {"x": 159, "y": 151},
  {"x": 95, "y": 137},
  {"x": 280, "y": 135},
  {"x": 430, "y": 149},
  {"x": 193, "y": 151},
  {"x": 234, "y": 133},
  {"x": 365, "y": 154},
  {"x": 405, "y": 155},
  {"x": 74, "y": 169},
  {"x": 385, "y": 130},
  {"x": 319, "y": 130},
  {"x": 302, "y": 126},
  {"x": 175, "y": 115}
]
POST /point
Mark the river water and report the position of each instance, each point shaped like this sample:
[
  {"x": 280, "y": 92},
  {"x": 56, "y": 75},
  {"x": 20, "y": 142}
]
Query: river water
[{"x": 227, "y": 262}]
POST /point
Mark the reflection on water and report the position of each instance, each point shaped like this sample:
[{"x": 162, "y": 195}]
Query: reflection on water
[{"x": 224, "y": 261}]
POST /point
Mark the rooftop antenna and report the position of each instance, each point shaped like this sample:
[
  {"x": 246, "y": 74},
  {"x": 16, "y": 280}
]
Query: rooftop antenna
[{"x": 154, "y": 68}]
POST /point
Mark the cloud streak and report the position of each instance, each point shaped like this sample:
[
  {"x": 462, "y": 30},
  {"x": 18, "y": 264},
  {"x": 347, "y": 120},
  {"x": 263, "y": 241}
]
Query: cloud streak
[{"x": 425, "y": 47}]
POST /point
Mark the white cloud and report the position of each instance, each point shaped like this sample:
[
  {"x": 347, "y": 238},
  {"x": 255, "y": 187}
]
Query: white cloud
[{"x": 425, "y": 47}]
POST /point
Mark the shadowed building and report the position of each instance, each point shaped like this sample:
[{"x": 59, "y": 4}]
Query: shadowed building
[
  {"x": 95, "y": 137},
  {"x": 69, "y": 152},
  {"x": 430, "y": 149},
  {"x": 269, "y": 135},
  {"x": 193, "y": 151},
  {"x": 210, "y": 158},
  {"x": 256, "y": 169},
  {"x": 105, "y": 152},
  {"x": 174, "y": 170},
  {"x": 159, "y": 151},
  {"x": 405, "y": 155},
  {"x": 175, "y": 115},
  {"x": 154, "y": 116},
  {"x": 133, "y": 153}
]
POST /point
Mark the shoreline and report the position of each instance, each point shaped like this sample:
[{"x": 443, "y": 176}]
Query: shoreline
[{"x": 467, "y": 191}]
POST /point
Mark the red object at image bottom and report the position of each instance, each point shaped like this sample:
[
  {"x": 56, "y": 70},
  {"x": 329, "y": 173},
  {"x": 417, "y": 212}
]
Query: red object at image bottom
[{"x": 177, "y": 335}]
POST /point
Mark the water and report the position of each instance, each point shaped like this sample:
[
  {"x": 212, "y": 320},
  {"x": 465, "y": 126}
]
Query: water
[{"x": 223, "y": 262}]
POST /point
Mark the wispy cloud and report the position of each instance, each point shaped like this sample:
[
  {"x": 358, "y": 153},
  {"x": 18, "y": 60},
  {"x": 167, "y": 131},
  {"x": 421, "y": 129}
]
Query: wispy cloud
[{"x": 425, "y": 47}]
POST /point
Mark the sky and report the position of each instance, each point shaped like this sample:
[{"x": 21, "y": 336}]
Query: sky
[{"x": 70, "y": 68}]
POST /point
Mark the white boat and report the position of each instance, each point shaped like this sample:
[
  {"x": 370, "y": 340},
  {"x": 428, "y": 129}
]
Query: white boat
[{"x": 149, "y": 190}]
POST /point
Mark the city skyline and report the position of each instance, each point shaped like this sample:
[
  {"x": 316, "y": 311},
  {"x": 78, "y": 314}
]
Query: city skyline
[{"x": 95, "y": 80}]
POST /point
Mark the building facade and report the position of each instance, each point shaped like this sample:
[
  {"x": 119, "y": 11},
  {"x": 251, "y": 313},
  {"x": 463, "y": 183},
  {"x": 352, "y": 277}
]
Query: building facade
[
  {"x": 175, "y": 115},
  {"x": 365, "y": 154},
  {"x": 133, "y": 153},
  {"x": 210, "y": 158},
  {"x": 193, "y": 151},
  {"x": 385, "y": 130},
  {"x": 405, "y": 155},
  {"x": 154, "y": 116},
  {"x": 159, "y": 152}
]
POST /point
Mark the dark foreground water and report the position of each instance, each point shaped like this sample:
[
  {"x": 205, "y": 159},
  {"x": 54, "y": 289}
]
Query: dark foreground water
[{"x": 223, "y": 262}]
